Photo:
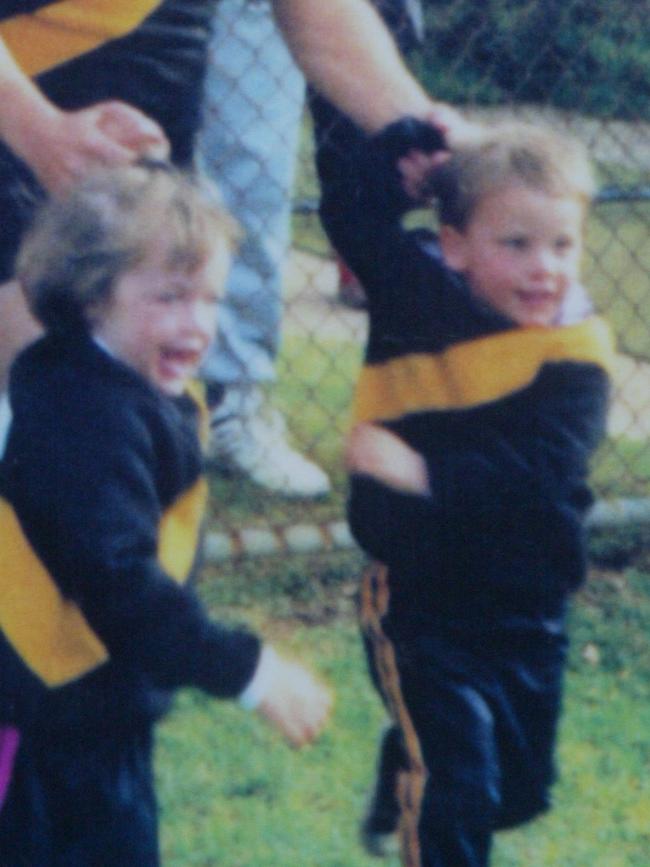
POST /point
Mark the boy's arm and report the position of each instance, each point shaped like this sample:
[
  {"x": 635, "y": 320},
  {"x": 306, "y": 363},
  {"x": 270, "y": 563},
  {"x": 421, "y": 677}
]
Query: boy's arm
[
  {"x": 545, "y": 448},
  {"x": 391, "y": 525},
  {"x": 485, "y": 474},
  {"x": 390, "y": 508},
  {"x": 363, "y": 200},
  {"x": 374, "y": 451},
  {"x": 288, "y": 697},
  {"x": 85, "y": 496}
]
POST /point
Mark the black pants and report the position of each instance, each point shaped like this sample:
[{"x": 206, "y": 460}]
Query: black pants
[
  {"x": 474, "y": 713},
  {"x": 81, "y": 802}
]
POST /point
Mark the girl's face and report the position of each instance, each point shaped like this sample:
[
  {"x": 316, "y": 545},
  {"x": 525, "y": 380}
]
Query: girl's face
[
  {"x": 520, "y": 252},
  {"x": 161, "y": 319}
]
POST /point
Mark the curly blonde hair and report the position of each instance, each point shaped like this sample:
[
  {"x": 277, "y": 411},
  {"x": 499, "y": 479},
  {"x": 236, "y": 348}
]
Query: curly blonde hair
[{"x": 79, "y": 245}]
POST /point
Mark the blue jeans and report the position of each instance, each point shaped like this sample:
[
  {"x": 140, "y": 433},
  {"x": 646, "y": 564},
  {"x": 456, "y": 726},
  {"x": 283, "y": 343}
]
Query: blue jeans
[{"x": 248, "y": 144}]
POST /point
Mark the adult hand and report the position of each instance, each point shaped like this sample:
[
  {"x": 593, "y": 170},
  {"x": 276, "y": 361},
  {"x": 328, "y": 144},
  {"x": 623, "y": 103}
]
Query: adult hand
[
  {"x": 72, "y": 143},
  {"x": 374, "y": 451}
]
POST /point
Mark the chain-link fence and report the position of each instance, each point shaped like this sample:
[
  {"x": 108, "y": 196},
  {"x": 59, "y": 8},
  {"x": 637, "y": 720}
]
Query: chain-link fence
[{"x": 583, "y": 66}]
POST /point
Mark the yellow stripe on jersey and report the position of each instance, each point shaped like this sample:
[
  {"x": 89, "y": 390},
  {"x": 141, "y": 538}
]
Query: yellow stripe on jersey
[
  {"x": 477, "y": 371},
  {"x": 195, "y": 389},
  {"x": 60, "y": 31},
  {"x": 179, "y": 532},
  {"x": 48, "y": 631}
]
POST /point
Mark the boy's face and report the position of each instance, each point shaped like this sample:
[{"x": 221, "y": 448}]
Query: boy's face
[
  {"x": 160, "y": 320},
  {"x": 520, "y": 252}
]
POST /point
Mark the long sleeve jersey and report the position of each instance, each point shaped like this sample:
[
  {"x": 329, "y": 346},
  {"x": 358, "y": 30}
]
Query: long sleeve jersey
[
  {"x": 506, "y": 418},
  {"x": 100, "y": 512}
]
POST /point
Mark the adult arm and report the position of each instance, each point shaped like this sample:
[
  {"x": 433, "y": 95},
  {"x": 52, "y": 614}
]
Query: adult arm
[
  {"x": 347, "y": 53},
  {"x": 61, "y": 146}
]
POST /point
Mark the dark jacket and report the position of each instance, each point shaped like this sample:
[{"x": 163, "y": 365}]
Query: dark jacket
[
  {"x": 100, "y": 511},
  {"x": 506, "y": 418}
]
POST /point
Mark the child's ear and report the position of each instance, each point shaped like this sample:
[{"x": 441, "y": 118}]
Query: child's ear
[{"x": 452, "y": 244}]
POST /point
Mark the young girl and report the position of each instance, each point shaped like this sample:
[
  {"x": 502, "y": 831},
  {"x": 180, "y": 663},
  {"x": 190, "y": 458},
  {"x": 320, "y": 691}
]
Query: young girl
[{"x": 100, "y": 510}]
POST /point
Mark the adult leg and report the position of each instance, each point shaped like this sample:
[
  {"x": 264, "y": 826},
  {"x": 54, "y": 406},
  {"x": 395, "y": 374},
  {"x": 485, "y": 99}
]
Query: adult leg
[{"x": 253, "y": 105}]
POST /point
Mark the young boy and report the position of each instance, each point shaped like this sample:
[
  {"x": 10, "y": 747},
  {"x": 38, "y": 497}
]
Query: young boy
[
  {"x": 101, "y": 502},
  {"x": 482, "y": 396}
]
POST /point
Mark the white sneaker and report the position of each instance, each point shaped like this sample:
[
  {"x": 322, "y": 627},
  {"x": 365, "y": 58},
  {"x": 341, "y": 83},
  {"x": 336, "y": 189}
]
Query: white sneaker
[
  {"x": 5, "y": 420},
  {"x": 249, "y": 437}
]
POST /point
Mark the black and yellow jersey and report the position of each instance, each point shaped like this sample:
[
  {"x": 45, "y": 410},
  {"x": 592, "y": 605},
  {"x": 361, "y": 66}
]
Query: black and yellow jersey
[
  {"x": 506, "y": 418},
  {"x": 42, "y": 34},
  {"x": 101, "y": 504}
]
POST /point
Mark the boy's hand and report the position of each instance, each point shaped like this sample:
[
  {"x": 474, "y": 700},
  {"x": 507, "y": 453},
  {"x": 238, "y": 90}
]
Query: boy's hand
[
  {"x": 417, "y": 166},
  {"x": 373, "y": 451},
  {"x": 296, "y": 703}
]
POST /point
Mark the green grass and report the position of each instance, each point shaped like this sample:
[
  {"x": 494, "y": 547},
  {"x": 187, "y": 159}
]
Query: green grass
[{"x": 233, "y": 794}]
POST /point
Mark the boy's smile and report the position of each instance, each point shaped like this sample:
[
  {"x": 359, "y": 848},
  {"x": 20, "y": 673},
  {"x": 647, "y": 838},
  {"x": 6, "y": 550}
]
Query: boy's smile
[
  {"x": 160, "y": 319},
  {"x": 520, "y": 252}
]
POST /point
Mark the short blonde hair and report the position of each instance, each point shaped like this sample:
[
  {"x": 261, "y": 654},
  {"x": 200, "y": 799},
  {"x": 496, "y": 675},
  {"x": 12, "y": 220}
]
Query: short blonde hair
[
  {"x": 79, "y": 245},
  {"x": 533, "y": 155}
]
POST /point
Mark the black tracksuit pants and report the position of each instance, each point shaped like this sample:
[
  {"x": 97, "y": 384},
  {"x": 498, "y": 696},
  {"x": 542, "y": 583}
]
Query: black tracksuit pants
[
  {"x": 84, "y": 801},
  {"x": 474, "y": 718}
]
